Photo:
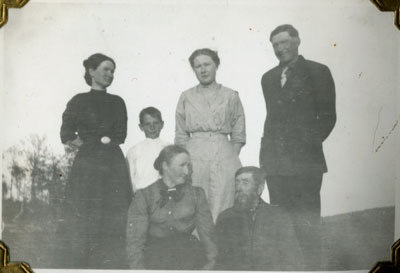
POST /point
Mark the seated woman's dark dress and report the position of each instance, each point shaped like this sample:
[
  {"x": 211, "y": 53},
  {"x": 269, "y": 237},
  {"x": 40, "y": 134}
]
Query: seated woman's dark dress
[
  {"x": 98, "y": 191},
  {"x": 160, "y": 226}
]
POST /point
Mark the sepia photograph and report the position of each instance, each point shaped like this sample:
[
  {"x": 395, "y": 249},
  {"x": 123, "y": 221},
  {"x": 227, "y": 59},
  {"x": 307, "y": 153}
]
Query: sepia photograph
[{"x": 199, "y": 135}]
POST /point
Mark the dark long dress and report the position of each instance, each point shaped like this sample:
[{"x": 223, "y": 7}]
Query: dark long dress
[{"x": 98, "y": 192}]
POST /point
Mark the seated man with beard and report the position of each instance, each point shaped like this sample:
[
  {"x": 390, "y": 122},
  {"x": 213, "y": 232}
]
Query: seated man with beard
[{"x": 253, "y": 235}]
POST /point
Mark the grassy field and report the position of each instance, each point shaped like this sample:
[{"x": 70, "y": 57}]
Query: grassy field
[
  {"x": 359, "y": 239},
  {"x": 354, "y": 240}
]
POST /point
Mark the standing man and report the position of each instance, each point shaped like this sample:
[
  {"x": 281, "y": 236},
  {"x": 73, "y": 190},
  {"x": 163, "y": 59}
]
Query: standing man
[{"x": 300, "y": 100}]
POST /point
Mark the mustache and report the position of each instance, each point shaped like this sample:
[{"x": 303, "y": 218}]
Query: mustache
[{"x": 245, "y": 197}]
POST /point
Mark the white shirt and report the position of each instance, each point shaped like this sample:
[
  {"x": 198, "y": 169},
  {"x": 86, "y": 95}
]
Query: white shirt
[{"x": 141, "y": 159}]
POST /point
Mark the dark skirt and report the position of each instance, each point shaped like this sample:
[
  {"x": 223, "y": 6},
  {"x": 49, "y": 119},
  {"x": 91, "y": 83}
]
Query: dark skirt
[
  {"x": 92, "y": 228},
  {"x": 179, "y": 252}
]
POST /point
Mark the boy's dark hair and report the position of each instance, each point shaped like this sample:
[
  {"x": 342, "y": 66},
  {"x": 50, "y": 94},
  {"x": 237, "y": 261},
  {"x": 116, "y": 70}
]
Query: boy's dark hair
[{"x": 152, "y": 111}]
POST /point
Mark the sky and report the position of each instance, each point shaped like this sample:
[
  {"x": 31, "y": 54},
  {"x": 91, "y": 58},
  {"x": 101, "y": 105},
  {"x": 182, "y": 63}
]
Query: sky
[{"x": 44, "y": 45}]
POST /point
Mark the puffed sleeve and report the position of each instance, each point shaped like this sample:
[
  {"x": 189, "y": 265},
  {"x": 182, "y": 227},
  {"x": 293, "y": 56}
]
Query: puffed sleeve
[
  {"x": 69, "y": 120},
  {"x": 120, "y": 126},
  {"x": 136, "y": 232},
  {"x": 205, "y": 225},
  {"x": 325, "y": 100},
  {"x": 238, "y": 124},
  {"x": 181, "y": 135}
]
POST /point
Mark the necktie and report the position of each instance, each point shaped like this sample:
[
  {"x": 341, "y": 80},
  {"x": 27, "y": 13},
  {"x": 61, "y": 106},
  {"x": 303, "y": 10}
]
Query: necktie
[{"x": 283, "y": 76}]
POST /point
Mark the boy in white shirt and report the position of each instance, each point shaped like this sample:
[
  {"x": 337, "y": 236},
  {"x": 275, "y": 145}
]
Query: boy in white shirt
[{"x": 141, "y": 156}]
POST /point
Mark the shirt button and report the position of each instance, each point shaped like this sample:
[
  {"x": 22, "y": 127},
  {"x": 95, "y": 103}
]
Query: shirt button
[
  {"x": 169, "y": 212},
  {"x": 169, "y": 197},
  {"x": 171, "y": 228}
]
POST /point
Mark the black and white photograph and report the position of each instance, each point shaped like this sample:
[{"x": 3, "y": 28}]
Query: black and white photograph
[{"x": 222, "y": 135}]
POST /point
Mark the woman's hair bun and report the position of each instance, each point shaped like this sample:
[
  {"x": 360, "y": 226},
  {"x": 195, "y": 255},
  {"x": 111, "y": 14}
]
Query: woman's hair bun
[{"x": 93, "y": 62}]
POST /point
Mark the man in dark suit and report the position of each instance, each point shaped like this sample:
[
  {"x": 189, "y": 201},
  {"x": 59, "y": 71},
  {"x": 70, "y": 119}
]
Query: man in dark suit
[
  {"x": 300, "y": 100},
  {"x": 254, "y": 235}
]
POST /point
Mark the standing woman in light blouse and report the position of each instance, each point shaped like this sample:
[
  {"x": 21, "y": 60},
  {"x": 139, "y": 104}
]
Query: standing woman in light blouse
[
  {"x": 210, "y": 123},
  {"x": 98, "y": 191}
]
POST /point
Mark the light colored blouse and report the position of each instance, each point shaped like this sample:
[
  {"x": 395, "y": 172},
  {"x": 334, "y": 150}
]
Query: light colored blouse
[{"x": 216, "y": 109}]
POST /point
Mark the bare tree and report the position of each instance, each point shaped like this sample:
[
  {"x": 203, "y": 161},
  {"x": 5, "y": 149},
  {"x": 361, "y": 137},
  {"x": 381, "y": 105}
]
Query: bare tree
[
  {"x": 14, "y": 176},
  {"x": 33, "y": 174}
]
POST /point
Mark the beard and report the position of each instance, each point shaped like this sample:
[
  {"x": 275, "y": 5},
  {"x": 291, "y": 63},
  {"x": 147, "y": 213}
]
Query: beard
[{"x": 246, "y": 201}]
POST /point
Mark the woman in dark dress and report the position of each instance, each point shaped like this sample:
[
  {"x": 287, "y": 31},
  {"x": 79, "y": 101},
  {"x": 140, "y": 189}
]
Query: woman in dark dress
[{"x": 98, "y": 192}]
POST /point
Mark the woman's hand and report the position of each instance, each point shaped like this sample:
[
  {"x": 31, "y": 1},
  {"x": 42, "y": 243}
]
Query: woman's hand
[
  {"x": 73, "y": 145},
  {"x": 76, "y": 143},
  {"x": 237, "y": 147}
]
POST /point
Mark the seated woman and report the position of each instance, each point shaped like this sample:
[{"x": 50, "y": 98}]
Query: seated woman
[{"x": 163, "y": 216}]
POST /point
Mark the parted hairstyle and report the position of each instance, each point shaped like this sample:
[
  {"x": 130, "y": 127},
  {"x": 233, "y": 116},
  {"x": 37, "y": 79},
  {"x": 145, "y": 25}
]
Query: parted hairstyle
[
  {"x": 167, "y": 154},
  {"x": 93, "y": 62},
  {"x": 259, "y": 175},
  {"x": 282, "y": 28},
  {"x": 152, "y": 111},
  {"x": 204, "y": 51}
]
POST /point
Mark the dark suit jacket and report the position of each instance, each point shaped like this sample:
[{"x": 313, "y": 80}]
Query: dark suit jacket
[
  {"x": 265, "y": 241},
  {"x": 300, "y": 116}
]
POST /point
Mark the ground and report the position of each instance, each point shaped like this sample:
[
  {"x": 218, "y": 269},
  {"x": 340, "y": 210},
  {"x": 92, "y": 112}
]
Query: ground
[{"x": 354, "y": 240}]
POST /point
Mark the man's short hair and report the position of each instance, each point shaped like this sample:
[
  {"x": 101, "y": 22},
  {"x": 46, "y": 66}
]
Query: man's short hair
[
  {"x": 259, "y": 175},
  {"x": 282, "y": 28},
  {"x": 152, "y": 111}
]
